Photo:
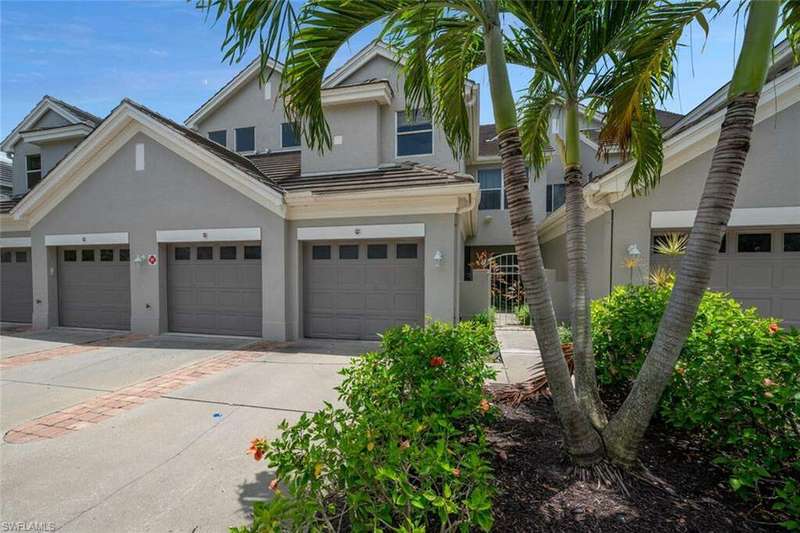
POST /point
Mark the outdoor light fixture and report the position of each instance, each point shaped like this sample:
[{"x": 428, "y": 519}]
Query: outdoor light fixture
[
  {"x": 633, "y": 250},
  {"x": 437, "y": 258}
]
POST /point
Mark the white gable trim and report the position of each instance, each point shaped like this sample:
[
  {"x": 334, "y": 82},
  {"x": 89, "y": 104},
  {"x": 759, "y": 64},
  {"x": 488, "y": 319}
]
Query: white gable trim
[
  {"x": 69, "y": 131},
  {"x": 125, "y": 122},
  {"x": 363, "y": 57},
  {"x": 44, "y": 105},
  {"x": 239, "y": 81}
]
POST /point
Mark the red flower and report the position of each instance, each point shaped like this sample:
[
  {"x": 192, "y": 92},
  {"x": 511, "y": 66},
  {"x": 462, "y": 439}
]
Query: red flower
[
  {"x": 258, "y": 447},
  {"x": 773, "y": 328},
  {"x": 437, "y": 361},
  {"x": 457, "y": 472},
  {"x": 484, "y": 406}
]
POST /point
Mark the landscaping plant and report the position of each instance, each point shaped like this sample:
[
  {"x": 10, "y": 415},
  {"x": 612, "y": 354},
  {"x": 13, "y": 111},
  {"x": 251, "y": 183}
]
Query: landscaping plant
[
  {"x": 736, "y": 386},
  {"x": 406, "y": 451}
]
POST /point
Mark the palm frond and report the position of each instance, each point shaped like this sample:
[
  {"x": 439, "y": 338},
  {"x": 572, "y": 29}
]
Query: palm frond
[
  {"x": 791, "y": 25},
  {"x": 646, "y": 147},
  {"x": 534, "y": 110}
]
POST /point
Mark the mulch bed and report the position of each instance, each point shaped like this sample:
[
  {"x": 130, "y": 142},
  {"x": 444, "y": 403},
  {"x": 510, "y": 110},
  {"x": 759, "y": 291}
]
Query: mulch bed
[{"x": 539, "y": 492}]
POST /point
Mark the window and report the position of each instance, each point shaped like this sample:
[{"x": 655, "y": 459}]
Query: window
[
  {"x": 348, "y": 251},
  {"x": 70, "y": 256},
  {"x": 414, "y": 134},
  {"x": 321, "y": 252},
  {"x": 124, "y": 255},
  {"x": 407, "y": 251},
  {"x": 227, "y": 252},
  {"x": 377, "y": 251},
  {"x": 252, "y": 252},
  {"x": 5, "y": 257},
  {"x": 205, "y": 253},
  {"x": 755, "y": 242},
  {"x": 791, "y": 242},
  {"x": 106, "y": 255},
  {"x": 182, "y": 253},
  {"x": 491, "y": 182},
  {"x": 290, "y": 135},
  {"x": 219, "y": 137},
  {"x": 87, "y": 256},
  {"x": 246, "y": 139},
  {"x": 33, "y": 169},
  {"x": 556, "y": 195},
  {"x": 21, "y": 257}
]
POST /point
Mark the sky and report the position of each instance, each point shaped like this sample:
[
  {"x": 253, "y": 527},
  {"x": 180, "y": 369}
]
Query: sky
[{"x": 166, "y": 55}]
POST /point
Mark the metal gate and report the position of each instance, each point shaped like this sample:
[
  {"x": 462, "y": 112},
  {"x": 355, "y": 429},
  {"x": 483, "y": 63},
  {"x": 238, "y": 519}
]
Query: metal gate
[{"x": 506, "y": 293}]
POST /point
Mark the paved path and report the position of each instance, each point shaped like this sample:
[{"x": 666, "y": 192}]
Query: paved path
[
  {"x": 519, "y": 351},
  {"x": 174, "y": 461}
]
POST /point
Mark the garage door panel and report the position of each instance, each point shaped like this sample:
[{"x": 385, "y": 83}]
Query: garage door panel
[
  {"x": 752, "y": 276},
  {"x": 790, "y": 276},
  {"x": 360, "y": 298},
  {"x": 214, "y": 296},
  {"x": 790, "y": 310},
  {"x": 94, "y": 294}
]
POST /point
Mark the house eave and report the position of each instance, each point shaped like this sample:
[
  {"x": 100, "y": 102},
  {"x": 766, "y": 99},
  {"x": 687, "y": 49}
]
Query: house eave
[
  {"x": 379, "y": 93},
  {"x": 62, "y": 133}
]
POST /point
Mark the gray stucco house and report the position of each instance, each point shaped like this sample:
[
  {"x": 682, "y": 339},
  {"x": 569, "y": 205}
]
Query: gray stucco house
[{"x": 228, "y": 224}]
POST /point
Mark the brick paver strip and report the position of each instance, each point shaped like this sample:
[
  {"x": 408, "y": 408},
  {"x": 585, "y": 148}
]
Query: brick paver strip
[
  {"x": 105, "y": 406},
  {"x": 72, "y": 349}
]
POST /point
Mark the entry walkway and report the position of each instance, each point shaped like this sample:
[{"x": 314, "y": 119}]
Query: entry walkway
[{"x": 519, "y": 351}]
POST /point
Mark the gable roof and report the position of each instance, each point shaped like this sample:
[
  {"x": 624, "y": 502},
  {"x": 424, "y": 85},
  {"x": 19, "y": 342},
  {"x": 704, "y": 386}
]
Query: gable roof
[
  {"x": 229, "y": 89},
  {"x": 362, "y": 57},
  {"x": 125, "y": 121},
  {"x": 69, "y": 112},
  {"x": 278, "y": 165},
  {"x": 406, "y": 174}
]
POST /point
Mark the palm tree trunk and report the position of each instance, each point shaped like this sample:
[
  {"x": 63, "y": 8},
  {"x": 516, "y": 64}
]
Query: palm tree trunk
[
  {"x": 626, "y": 429},
  {"x": 585, "y": 375},
  {"x": 582, "y": 441}
]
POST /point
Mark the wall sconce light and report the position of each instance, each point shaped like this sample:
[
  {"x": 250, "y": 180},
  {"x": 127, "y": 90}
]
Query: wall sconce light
[
  {"x": 437, "y": 258},
  {"x": 633, "y": 250}
]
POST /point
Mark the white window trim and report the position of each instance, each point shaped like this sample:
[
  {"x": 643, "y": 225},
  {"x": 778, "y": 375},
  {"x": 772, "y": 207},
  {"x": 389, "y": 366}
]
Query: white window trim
[
  {"x": 208, "y": 136},
  {"x": 236, "y": 141},
  {"x": 503, "y": 207},
  {"x": 378, "y": 231},
  {"x": 85, "y": 239},
  {"x": 28, "y": 171},
  {"x": 283, "y": 145},
  {"x": 741, "y": 216},
  {"x": 209, "y": 235},
  {"x": 397, "y": 133}
]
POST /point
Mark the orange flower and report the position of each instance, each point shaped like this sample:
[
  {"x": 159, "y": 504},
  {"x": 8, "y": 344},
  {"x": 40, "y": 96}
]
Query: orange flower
[
  {"x": 773, "y": 328},
  {"x": 436, "y": 361},
  {"x": 484, "y": 406},
  {"x": 258, "y": 447},
  {"x": 457, "y": 472},
  {"x": 273, "y": 485}
]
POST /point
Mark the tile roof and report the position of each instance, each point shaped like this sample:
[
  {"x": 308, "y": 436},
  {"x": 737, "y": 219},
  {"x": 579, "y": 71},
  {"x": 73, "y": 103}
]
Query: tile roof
[
  {"x": 8, "y": 205},
  {"x": 90, "y": 119},
  {"x": 406, "y": 174},
  {"x": 278, "y": 165},
  {"x": 239, "y": 161}
]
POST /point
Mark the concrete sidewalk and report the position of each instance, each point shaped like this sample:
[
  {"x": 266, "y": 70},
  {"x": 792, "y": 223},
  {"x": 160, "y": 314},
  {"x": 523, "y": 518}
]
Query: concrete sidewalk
[{"x": 519, "y": 351}]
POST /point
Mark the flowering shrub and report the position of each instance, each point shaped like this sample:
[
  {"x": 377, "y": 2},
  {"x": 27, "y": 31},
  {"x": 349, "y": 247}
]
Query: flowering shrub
[
  {"x": 736, "y": 385},
  {"x": 407, "y": 452}
]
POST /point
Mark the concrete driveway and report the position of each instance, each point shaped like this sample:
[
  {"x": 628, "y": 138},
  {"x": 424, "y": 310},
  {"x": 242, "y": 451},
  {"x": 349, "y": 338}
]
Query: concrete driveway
[{"x": 105, "y": 431}]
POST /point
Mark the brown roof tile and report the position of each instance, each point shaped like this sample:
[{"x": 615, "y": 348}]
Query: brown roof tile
[{"x": 278, "y": 165}]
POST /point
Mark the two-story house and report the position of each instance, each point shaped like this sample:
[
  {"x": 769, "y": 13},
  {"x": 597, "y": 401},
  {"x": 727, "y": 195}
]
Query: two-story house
[{"x": 229, "y": 224}]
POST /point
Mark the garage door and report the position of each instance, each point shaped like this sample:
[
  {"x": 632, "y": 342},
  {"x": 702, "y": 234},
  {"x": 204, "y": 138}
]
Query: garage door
[
  {"x": 94, "y": 287},
  {"x": 215, "y": 288},
  {"x": 16, "y": 296},
  {"x": 760, "y": 268},
  {"x": 357, "y": 290}
]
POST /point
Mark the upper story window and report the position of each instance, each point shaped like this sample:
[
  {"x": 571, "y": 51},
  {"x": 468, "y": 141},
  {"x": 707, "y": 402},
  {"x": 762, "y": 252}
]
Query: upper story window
[
  {"x": 33, "y": 169},
  {"x": 246, "y": 139},
  {"x": 414, "y": 134},
  {"x": 556, "y": 195},
  {"x": 491, "y": 182},
  {"x": 290, "y": 135},
  {"x": 220, "y": 137}
]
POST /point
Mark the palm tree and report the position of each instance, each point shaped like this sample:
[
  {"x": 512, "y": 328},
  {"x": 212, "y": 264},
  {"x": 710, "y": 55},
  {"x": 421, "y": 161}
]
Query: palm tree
[
  {"x": 596, "y": 55},
  {"x": 626, "y": 429}
]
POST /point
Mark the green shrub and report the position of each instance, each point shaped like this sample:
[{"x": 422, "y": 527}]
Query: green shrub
[
  {"x": 564, "y": 334},
  {"x": 486, "y": 318},
  {"x": 407, "y": 452},
  {"x": 523, "y": 313},
  {"x": 736, "y": 385}
]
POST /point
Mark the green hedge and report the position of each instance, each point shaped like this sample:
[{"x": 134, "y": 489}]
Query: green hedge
[
  {"x": 736, "y": 385},
  {"x": 407, "y": 452}
]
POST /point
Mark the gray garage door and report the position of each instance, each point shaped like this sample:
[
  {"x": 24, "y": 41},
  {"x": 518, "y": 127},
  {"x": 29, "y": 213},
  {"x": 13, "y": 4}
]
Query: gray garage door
[
  {"x": 16, "y": 293},
  {"x": 215, "y": 288},
  {"x": 94, "y": 287},
  {"x": 357, "y": 290},
  {"x": 760, "y": 268}
]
